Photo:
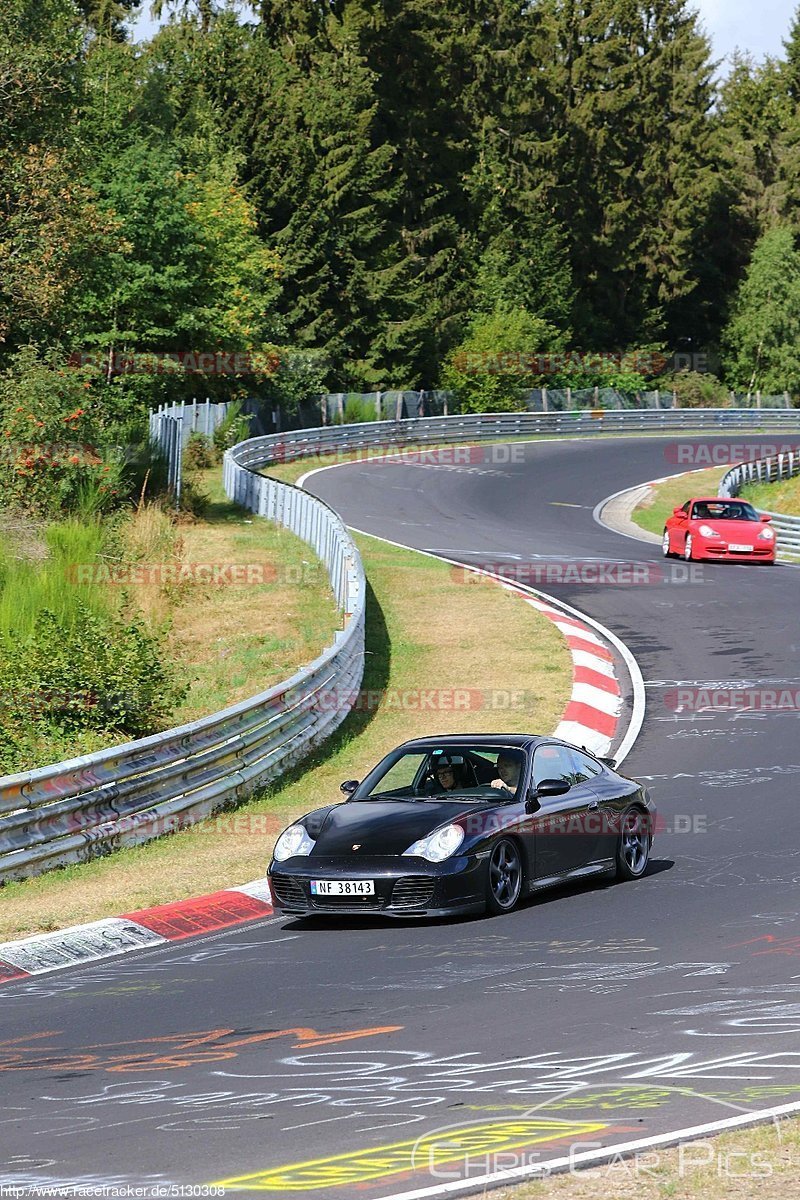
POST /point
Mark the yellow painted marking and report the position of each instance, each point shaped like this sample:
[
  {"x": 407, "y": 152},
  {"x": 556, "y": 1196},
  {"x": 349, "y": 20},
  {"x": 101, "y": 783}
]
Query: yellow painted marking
[{"x": 445, "y": 1146}]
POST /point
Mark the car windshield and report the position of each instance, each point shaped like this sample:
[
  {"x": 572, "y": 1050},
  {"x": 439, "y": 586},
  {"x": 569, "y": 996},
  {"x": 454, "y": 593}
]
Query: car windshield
[
  {"x": 462, "y": 772},
  {"x": 724, "y": 510}
]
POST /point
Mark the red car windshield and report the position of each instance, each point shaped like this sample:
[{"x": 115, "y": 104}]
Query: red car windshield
[{"x": 725, "y": 510}]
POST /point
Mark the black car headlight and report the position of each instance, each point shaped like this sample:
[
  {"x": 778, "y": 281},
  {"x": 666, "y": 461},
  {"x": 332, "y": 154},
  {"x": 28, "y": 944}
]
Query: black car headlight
[
  {"x": 437, "y": 846},
  {"x": 294, "y": 842}
]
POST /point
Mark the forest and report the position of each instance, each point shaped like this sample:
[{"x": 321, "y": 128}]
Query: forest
[{"x": 354, "y": 194}]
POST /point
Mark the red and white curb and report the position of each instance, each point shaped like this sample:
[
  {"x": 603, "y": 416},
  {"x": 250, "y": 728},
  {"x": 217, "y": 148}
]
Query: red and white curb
[
  {"x": 592, "y": 717},
  {"x": 113, "y": 936}
]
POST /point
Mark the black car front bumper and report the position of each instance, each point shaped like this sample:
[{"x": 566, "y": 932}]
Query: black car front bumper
[{"x": 404, "y": 887}]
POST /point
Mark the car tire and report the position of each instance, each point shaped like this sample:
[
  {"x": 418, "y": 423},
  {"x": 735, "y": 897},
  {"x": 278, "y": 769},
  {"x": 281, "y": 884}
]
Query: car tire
[
  {"x": 633, "y": 846},
  {"x": 688, "y": 552},
  {"x": 504, "y": 877},
  {"x": 666, "y": 549}
]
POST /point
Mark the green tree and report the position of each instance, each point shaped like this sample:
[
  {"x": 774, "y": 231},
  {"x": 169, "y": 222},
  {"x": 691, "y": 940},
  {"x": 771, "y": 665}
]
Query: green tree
[
  {"x": 109, "y": 17},
  {"x": 631, "y": 161},
  {"x": 496, "y": 361},
  {"x": 201, "y": 11},
  {"x": 762, "y": 340},
  {"x": 754, "y": 113},
  {"x": 792, "y": 61}
]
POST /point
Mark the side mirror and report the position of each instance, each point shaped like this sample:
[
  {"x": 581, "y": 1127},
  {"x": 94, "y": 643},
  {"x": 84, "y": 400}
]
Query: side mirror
[
  {"x": 766, "y": 519},
  {"x": 348, "y": 787},
  {"x": 552, "y": 787},
  {"x": 678, "y": 512},
  {"x": 609, "y": 762}
]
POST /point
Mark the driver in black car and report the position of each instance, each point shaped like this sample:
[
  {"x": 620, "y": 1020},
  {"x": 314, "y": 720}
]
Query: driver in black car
[{"x": 449, "y": 775}]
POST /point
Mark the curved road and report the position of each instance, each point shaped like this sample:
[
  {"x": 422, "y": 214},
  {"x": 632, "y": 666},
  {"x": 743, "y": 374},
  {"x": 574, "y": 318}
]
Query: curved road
[{"x": 362, "y": 1059}]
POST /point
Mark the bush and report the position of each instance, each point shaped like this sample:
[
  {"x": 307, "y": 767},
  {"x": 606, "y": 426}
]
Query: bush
[
  {"x": 491, "y": 367},
  {"x": 696, "y": 389},
  {"x": 74, "y": 673},
  {"x": 358, "y": 410},
  {"x": 198, "y": 454},
  {"x": 234, "y": 428},
  {"x": 50, "y": 435},
  {"x": 94, "y": 673}
]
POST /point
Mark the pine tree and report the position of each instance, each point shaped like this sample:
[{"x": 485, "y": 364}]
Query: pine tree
[
  {"x": 630, "y": 158},
  {"x": 792, "y": 60},
  {"x": 762, "y": 341},
  {"x": 108, "y": 17}
]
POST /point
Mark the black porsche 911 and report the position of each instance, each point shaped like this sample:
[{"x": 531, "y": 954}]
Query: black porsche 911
[{"x": 460, "y": 824}]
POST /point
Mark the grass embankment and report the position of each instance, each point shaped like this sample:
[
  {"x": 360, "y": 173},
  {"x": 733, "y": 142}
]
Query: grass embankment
[
  {"x": 653, "y": 512},
  {"x": 231, "y": 640},
  {"x": 115, "y": 628},
  {"x": 428, "y": 634},
  {"x": 783, "y": 497},
  {"x": 763, "y": 1162}
]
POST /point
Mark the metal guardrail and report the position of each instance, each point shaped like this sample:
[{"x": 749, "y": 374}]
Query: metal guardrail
[
  {"x": 768, "y": 470},
  {"x": 87, "y": 807},
  {"x": 387, "y": 436}
]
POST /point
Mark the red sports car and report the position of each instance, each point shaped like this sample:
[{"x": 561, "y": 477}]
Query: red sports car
[{"x": 719, "y": 529}]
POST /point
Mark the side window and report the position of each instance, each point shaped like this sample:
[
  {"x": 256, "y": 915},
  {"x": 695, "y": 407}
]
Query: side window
[
  {"x": 585, "y": 768},
  {"x": 685, "y": 507},
  {"x": 553, "y": 762}
]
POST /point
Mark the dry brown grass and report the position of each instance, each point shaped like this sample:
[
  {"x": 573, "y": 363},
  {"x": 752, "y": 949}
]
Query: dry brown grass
[
  {"x": 427, "y": 630},
  {"x": 228, "y": 640},
  {"x": 763, "y": 1162}
]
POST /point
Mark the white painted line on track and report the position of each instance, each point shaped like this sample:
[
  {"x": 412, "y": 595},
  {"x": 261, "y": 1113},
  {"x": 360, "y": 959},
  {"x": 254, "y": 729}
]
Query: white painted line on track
[{"x": 634, "y": 672}]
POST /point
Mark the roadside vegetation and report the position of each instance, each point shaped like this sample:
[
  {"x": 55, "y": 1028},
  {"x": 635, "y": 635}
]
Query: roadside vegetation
[
  {"x": 122, "y": 618},
  {"x": 427, "y": 650},
  {"x": 763, "y": 1162},
  {"x": 782, "y": 497},
  {"x": 653, "y": 512},
  {"x": 372, "y": 212}
]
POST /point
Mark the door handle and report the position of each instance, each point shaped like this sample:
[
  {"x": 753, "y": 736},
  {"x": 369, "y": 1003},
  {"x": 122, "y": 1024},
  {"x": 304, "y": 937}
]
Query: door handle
[{"x": 592, "y": 805}]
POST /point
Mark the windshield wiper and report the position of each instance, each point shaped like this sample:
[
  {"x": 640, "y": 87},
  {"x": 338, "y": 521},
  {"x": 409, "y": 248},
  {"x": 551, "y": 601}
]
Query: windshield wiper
[{"x": 388, "y": 796}]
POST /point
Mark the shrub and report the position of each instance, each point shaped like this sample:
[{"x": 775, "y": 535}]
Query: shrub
[
  {"x": 234, "y": 428},
  {"x": 198, "y": 454},
  {"x": 95, "y": 673},
  {"x": 358, "y": 410},
  {"x": 491, "y": 367},
  {"x": 696, "y": 389},
  {"x": 50, "y": 439}
]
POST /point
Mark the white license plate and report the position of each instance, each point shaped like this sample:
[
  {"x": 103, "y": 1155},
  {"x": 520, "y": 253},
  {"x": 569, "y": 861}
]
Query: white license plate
[
  {"x": 740, "y": 549},
  {"x": 342, "y": 887}
]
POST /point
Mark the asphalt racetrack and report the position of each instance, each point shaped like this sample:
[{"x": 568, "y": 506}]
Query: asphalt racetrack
[{"x": 366, "y": 1059}]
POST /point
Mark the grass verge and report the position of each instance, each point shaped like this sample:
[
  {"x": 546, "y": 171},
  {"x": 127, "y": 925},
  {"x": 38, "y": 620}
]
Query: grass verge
[
  {"x": 232, "y": 640},
  {"x": 652, "y": 514},
  {"x": 763, "y": 1162},
  {"x": 782, "y": 497},
  {"x": 428, "y": 634}
]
